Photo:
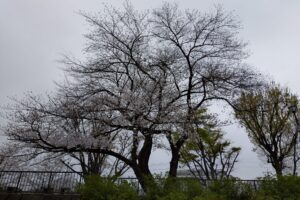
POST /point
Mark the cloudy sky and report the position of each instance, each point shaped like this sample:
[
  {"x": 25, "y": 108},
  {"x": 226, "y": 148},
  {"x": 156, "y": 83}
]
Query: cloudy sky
[{"x": 34, "y": 34}]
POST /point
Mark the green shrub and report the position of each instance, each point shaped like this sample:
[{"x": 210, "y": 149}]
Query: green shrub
[
  {"x": 230, "y": 190},
  {"x": 154, "y": 188},
  {"x": 174, "y": 196},
  {"x": 173, "y": 188},
  {"x": 191, "y": 189},
  {"x": 283, "y": 188},
  {"x": 209, "y": 196},
  {"x": 97, "y": 188}
]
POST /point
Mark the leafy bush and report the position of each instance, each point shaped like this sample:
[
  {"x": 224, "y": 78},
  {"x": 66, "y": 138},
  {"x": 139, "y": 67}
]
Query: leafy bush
[
  {"x": 284, "y": 188},
  {"x": 173, "y": 188},
  {"x": 230, "y": 189},
  {"x": 191, "y": 189},
  {"x": 98, "y": 188},
  {"x": 209, "y": 196}
]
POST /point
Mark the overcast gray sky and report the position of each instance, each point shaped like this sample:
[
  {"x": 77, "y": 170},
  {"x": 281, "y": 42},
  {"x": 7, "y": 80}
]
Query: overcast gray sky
[{"x": 34, "y": 34}]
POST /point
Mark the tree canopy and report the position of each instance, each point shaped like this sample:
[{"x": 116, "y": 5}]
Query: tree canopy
[
  {"x": 269, "y": 122},
  {"x": 146, "y": 74}
]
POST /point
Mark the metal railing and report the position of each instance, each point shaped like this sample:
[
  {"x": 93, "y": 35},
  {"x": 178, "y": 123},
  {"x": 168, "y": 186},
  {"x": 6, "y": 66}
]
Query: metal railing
[
  {"x": 40, "y": 181},
  {"x": 67, "y": 182}
]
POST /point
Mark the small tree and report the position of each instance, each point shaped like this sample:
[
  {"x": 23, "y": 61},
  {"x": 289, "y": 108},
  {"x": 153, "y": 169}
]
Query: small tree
[
  {"x": 208, "y": 155},
  {"x": 270, "y": 125}
]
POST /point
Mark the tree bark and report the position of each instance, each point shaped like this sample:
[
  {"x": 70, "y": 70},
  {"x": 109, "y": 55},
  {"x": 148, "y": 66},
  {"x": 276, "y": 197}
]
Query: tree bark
[
  {"x": 144, "y": 155},
  {"x": 175, "y": 150},
  {"x": 141, "y": 167},
  {"x": 174, "y": 162},
  {"x": 278, "y": 166}
]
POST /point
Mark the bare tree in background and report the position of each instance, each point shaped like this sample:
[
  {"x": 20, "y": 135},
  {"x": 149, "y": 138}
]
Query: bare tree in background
[
  {"x": 97, "y": 163},
  {"x": 51, "y": 128},
  {"x": 19, "y": 157},
  {"x": 10, "y": 158},
  {"x": 146, "y": 74}
]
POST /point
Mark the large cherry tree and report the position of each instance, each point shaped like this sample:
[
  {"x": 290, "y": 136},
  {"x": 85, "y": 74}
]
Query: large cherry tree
[{"x": 145, "y": 76}]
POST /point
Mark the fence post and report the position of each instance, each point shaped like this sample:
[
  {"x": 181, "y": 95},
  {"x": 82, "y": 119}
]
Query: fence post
[
  {"x": 19, "y": 180},
  {"x": 49, "y": 182}
]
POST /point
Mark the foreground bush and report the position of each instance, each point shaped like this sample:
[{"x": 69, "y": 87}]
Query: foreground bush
[
  {"x": 283, "y": 188},
  {"x": 174, "y": 188},
  {"x": 230, "y": 189},
  {"x": 98, "y": 188},
  {"x": 192, "y": 189}
]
